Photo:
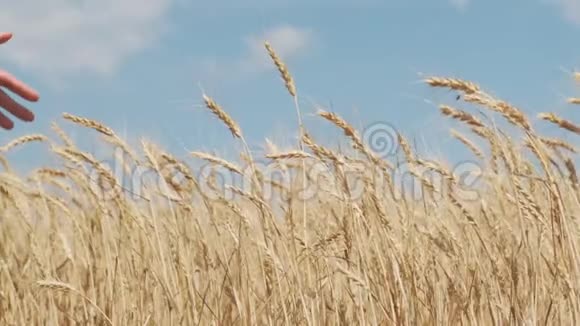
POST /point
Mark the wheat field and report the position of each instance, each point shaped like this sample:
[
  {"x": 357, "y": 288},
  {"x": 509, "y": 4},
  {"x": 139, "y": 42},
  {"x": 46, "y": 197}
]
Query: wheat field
[{"x": 359, "y": 247}]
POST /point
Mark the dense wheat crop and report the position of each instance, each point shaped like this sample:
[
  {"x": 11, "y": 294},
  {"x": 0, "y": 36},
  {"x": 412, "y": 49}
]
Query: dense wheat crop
[{"x": 166, "y": 242}]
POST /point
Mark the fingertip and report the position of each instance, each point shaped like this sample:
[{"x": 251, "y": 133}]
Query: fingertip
[
  {"x": 29, "y": 93},
  {"x": 26, "y": 93},
  {"x": 7, "y": 124},
  {"x": 34, "y": 97},
  {"x": 5, "y": 37},
  {"x": 28, "y": 117}
]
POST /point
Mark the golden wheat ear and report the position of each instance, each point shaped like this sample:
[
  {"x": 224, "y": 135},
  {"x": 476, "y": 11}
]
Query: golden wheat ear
[
  {"x": 284, "y": 73},
  {"x": 223, "y": 116},
  {"x": 456, "y": 84},
  {"x": 89, "y": 123},
  {"x": 468, "y": 143},
  {"x": 461, "y": 116},
  {"x": 23, "y": 140},
  {"x": 562, "y": 123}
]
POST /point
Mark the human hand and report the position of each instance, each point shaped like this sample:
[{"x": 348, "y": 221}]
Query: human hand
[{"x": 14, "y": 85}]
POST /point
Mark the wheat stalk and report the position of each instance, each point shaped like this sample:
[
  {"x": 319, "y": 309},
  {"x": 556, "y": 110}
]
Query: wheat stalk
[
  {"x": 219, "y": 161},
  {"x": 510, "y": 112},
  {"x": 61, "y": 134},
  {"x": 453, "y": 83},
  {"x": 461, "y": 116},
  {"x": 61, "y": 286},
  {"x": 464, "y": 140},
  {"x": 89, "y": 123},
  {"x": 409, "y": 156},
  {"x": 223, "y": 116},
  {"x": 558, "y": 143},
  {"x": 23, "y": 140},
  {"x": 284, "y": 73},
  {"x": 562, "y": 123},
  {"x": 289, "y": 155}
]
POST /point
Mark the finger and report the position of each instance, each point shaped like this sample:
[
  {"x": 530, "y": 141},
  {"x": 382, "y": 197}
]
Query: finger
[
  {"x": 18, "y": 87},
  {"x": 5, "y": 122},
  {"x": 15, "y": 108},
  {"x": 5, "y": 37}
]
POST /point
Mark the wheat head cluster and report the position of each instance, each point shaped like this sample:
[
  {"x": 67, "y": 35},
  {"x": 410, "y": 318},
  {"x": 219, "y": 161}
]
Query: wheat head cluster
[{"x": 192, "y": 256}]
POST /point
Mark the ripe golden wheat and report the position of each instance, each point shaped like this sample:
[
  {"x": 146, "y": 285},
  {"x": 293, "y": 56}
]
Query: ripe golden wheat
[{"x": 368, "y": 250}]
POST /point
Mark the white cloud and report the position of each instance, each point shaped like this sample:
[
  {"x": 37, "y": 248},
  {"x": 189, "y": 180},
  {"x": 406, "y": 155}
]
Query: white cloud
[
  {"x": 288, "y": 41},
  {"x": 570, "y": 9},
  {"x": 460, "y": 4},
  {"x": 280, "y": 4},
  {"x": 58, "y": 37}
]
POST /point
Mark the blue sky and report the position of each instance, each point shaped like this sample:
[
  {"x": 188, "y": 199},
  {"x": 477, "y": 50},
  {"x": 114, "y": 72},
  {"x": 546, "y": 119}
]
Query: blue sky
[{"x": 138, "y": 65}]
